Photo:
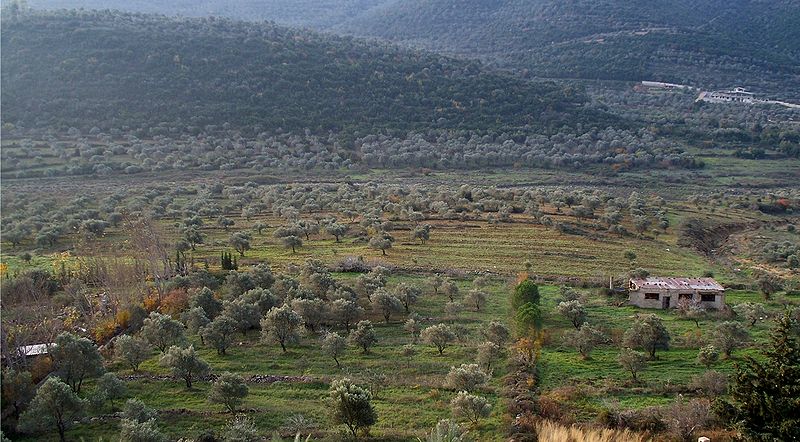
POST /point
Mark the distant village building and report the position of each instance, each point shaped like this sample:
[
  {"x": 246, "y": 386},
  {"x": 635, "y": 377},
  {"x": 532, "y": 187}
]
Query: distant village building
[
  {"x": 736, "y": 95},
  {"x": 665, "y": 293}
]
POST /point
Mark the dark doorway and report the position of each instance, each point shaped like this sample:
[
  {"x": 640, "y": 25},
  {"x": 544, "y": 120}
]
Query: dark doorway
[{"x": 665, "y": 302}]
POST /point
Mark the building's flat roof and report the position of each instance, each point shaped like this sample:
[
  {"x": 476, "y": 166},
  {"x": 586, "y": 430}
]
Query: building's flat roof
[{"x": 677, "y": 283}]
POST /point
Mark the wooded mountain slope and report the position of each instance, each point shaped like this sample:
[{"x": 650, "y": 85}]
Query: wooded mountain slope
[
  {"x": 108, "y": 69},
  {"x": 707, "y": 43}
]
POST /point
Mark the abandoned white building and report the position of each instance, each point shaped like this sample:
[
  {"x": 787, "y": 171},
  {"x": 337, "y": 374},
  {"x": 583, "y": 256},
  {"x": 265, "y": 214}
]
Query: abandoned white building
[{"x": 666, "y": 293}]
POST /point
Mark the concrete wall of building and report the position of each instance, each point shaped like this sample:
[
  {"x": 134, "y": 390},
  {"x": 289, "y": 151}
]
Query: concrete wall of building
[{"x": 638, "y": 298}]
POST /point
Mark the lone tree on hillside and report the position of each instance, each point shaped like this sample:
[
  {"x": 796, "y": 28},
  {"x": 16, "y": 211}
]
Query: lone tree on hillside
[
  {"x": 351, "y": 405},
  {"x": 55, "y": 406},
  {"x": 281, "y": 324},
  {"x": 762, "y": 402},
  {"x": 648, "y": 332}
]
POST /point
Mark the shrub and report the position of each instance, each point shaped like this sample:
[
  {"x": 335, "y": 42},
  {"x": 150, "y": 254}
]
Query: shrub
[
  {"x": 136, "y": 410},
  {"x": 446, "y": 431},
  {"x": 710, "y": 384},
  {"x": 439, "y": 335},
  {"x": 147, "y": 431},
  {"x": 240, "y": 429},
  {"x": 175, "y": 302},
  {"x": 228, "y": 390},
  {"x": 467, "y": 377},
  {"x": 708, "y": 356},
  {"x": 351, "y": 405},
  {"x": 471, "y": 407}
]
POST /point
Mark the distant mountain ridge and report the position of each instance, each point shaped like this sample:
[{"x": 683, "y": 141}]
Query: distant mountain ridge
[
  {"x": 107, "y": 69},
  {"x": 709, "y": 43}
]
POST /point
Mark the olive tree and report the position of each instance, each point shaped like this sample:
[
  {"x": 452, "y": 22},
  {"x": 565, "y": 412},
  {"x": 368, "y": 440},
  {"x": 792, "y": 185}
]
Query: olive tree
[
  {"x": 135, "y": 410},
  {"x": 386, "y": 303},
  {"x": 439, "y": 335},
  {"x": 132, "y": 350},
  {"x": 75, "y": 359},
  {"x": 647, "y": 332},
  {"x": 185, "y": 364},
  {"x": 586, "y": 339},
  {"x": 407, "y": 294},
  {"x": 351, "y": 405},
  {"x": 281, "y": 324},
  {"x": 466, "y": 377},
  {"x": 346, "y": 312},
  {"x": 471, "y": 407},
  {"x": 573, "y": 311},
  {"x": 363, "y": 335},
  {"x": 162, "y": 332},
  {"x": 497, "y": 333},
  {"x": 336, "y": 230},
  {"x": 219, "y": 333},
  {"x": 240, "y": 241},
  {"x": 204, "y": 298},
  {"x": 632, "y": 361},
  {"x": 334, "y": 346},
  {"x": 110, "y": 387},
  {"x": 751, "y": 311},
  {"x": 476, "y": 298},
  {"x": 730, "y": 335},
  {"x": 382, "y": 241},
  {"x": 55, "y": 406},
  {"x": 708, "y": 356},
  {"x": 134, "y": 431},
  {"x": 228, "y": 390},
  {"x": 488, "y": 352}
]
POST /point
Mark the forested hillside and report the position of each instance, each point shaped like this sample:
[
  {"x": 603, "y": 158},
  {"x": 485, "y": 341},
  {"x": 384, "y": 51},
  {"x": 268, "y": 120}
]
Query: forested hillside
[
  {"x": 114, "y": 70},
  {"x": 708, "y": 43},
  {"x": 318, "y": 14}
]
